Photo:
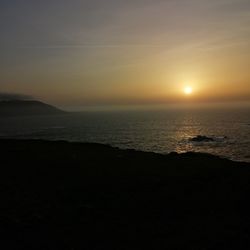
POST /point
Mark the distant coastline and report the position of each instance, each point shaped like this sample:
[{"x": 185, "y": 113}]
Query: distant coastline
[{"x": 12, "y": 108}]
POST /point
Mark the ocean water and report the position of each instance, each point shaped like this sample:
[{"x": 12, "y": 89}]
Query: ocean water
[{"x": 161, "y": 131}]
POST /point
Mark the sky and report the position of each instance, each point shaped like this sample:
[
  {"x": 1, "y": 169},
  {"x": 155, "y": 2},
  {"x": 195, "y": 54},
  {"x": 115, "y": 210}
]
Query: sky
[{"x": 77, "y": 53}]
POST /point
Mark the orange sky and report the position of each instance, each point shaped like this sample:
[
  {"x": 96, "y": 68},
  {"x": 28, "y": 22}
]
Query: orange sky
[{"x": 126, "y": 52}]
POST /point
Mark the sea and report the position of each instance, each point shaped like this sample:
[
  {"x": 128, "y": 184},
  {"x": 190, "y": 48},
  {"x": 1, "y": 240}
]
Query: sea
[{"x": 161, "y": 131}]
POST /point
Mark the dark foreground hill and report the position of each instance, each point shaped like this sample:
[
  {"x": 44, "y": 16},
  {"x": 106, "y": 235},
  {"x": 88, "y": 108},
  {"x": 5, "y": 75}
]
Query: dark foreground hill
[
  {"x": 59, "y": 195},
  {"x": 26, "y": 108}
]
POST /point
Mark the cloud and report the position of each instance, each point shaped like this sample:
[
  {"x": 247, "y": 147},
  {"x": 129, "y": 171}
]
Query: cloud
[{"x": 13, "y": 96}]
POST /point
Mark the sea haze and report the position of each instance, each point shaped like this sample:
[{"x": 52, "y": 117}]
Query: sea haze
[{"x": 160, "y": 131}]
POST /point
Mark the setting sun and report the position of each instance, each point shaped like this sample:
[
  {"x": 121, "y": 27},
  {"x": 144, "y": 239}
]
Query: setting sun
[{"x": 188, "y": 90}]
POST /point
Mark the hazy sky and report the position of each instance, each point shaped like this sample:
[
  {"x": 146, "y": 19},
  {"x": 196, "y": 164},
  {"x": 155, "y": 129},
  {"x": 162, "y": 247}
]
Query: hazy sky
[{"x": 94, "y": 52}]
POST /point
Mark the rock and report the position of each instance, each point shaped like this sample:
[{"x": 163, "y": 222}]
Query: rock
[{"x": 201, "y": 138}]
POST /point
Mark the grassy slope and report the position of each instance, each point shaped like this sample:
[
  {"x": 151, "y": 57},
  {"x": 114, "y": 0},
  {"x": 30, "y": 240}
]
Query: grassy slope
[{"x": 59, "y": 195}]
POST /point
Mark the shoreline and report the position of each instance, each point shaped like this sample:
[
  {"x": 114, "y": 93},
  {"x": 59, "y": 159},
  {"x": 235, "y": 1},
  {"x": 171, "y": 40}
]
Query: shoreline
[{"x": 105, "y": 146}]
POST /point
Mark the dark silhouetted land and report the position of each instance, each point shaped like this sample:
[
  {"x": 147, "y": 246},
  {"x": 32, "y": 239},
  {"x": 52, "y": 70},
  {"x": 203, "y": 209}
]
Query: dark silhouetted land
[
  {"x": 60, "y": 195},
  {"x": 27, "y": 108}
]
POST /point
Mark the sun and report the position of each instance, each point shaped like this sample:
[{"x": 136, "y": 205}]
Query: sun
[{"x": 188, "y": 90}]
